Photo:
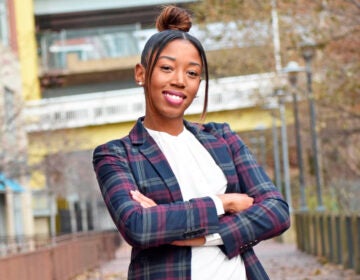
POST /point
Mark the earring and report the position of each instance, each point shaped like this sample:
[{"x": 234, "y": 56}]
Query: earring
[{"x": 140, "y": 83}]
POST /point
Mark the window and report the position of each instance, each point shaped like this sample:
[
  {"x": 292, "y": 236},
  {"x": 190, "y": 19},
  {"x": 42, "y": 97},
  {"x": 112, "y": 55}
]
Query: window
[
  {"x": 4, "y": 36},
  {"x": 3, "y": 232},
  {"x": 87, "y": 44},
  {"x": 9, "y": 115}
]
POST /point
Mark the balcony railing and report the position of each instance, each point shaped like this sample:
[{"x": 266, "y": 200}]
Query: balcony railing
[
  {"x": 87, "y": 45},
  {"x": 60, "y": 258},
  {"x": 58, "y": 49},
  {"x": 127, "y": 105}
]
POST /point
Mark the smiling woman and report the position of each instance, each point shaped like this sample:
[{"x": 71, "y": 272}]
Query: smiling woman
[
  {"x": 172, "y": 86},
  {"x": 189, "y": 198}
]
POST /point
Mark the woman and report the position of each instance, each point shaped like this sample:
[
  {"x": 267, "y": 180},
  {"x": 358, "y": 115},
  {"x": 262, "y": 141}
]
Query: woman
[{"x": 189, "y": 198}]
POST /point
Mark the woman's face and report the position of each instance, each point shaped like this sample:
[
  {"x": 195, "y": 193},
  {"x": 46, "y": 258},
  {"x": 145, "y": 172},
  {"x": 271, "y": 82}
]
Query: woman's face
[{"x": 174, "y": 82}]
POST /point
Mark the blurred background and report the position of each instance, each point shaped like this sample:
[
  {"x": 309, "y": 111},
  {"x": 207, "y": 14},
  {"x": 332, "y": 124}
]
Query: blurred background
[{"x": 284, "y": 74}]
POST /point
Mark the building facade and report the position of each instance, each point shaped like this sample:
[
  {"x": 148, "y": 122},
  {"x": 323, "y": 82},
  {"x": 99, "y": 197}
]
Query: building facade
[
  {"x": 77, "y": 78},
  {"x": 16, "y": 219}
]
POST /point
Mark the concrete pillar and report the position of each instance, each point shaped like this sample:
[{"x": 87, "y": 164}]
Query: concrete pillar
[
  {"x": 10, "y": 222},
  {"x": 9, "y": 209},
  {"x": 27, "y": 213},
  {"x": 84, "y": 219},
  {"x": 72, "y": 216}
]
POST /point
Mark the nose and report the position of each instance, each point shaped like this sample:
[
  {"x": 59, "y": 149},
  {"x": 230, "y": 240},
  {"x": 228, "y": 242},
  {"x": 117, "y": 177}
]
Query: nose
[{"x": 178, "y": 79}]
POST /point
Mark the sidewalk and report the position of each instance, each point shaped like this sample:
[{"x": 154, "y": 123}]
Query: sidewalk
[{"x": 282, "y": 261}]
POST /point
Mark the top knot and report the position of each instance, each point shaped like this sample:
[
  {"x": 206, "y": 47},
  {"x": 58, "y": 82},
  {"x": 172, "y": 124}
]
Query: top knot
[{"x": 173, "y": 18}]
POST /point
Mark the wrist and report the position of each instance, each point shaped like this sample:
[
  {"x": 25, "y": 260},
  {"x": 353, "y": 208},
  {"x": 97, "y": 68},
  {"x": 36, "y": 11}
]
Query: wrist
[
  {"x": 228, "y": 203},
  {"x": 225, "y": 202},
  {"x": 218, "y": 205}
]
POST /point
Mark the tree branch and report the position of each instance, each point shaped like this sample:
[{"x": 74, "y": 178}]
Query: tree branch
[{"x": 356, "y": 3}]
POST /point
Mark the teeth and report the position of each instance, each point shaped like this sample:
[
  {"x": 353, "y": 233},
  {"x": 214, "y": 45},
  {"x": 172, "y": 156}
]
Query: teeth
[{"x": 173, "y": 96}]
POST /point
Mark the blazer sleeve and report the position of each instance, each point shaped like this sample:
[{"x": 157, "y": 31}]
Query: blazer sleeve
[
  {"x": 147, "y": 227},
  {"x": 268, "y": 217}
]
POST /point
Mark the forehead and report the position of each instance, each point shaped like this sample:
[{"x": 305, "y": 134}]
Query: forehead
[{"x": 181, "y": 49}]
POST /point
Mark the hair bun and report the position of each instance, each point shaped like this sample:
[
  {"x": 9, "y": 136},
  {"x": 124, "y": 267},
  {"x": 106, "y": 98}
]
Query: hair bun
[{"x": 173, "y": 18}]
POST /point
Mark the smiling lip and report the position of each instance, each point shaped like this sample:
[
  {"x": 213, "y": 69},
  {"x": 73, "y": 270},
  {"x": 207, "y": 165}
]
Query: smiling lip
[{"x": 174, "y": 97}]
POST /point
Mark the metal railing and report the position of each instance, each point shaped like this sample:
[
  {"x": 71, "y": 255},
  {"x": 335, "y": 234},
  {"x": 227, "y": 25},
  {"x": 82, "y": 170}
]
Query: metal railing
[
  {"x": 62, "y": 258},
  {"x": 92, "y": 44},
  {"x": 333, "y": 237},
  {"x": 86, "y": 44},
  {"x": 128, "y": 104}
]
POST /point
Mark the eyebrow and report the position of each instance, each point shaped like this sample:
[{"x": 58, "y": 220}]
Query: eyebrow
[{"x": 174, "y": 59}]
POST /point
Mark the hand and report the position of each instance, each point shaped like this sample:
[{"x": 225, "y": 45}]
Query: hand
[
  {"x": 147, "y": 202},
  {"x": 199, "y": 241},
  {"x": 142, "y": 199},
  {"x": 236, "y": 202}
]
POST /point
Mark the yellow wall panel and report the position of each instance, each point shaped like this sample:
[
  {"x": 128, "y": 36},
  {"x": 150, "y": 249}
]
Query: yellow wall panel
[
  {"x": 25, "y": 28},
  {"x": 87, "y": 138},
  {"x": 41, "y": 144}
]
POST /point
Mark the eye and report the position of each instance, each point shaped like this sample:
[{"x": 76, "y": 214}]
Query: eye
[
  {"x": 193, "y": 73},
  {"x": 166, "y": 68}
]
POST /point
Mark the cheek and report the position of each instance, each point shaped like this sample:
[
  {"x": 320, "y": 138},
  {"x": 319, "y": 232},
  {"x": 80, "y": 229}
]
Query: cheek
[
  {"x": 195, "y": 87},
  {"x": 158, "y": 80}
]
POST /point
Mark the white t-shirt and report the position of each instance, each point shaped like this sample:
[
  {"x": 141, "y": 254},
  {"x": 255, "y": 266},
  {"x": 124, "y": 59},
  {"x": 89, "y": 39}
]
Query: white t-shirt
[{"x": 198, "y": 175}]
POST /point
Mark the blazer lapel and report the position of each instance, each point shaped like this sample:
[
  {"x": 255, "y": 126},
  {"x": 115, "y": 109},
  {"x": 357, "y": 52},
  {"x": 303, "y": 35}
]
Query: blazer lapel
[{"x": 150, "y": 150}]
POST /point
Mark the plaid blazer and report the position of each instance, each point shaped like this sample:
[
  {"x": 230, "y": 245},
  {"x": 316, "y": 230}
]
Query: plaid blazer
[{"x": 136, "y": 162}]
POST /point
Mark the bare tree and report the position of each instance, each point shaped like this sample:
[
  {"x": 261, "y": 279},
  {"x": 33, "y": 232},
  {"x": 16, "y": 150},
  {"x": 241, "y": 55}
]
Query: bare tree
[
  {"x": 334, "y": 27},
  {"x": 12, "y": 130},
  {"x": 69, "y": 177}
]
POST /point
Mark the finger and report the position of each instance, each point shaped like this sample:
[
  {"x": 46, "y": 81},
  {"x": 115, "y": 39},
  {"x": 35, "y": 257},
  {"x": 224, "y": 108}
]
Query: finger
[
  {"x": 199, "y": 241},
  {"x": 146, "y": 205},
  {"x": 142, "y": 199},
  {"x": 137, "y": 197},
  {"x": 148, "y": 201}
]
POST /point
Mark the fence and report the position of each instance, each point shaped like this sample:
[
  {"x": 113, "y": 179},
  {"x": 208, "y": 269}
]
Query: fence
[
  {"x": 62, "y": 259},
  {"x": 125, "y": 105},
  {"x": 334, "y": 237}
]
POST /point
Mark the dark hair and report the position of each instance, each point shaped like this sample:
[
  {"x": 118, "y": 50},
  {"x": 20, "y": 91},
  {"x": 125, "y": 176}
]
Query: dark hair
[{"x": 173, "y": 23}]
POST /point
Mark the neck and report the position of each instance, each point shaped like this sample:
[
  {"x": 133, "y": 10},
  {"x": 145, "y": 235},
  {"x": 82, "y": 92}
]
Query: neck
[{"x": 173, "y": 127}]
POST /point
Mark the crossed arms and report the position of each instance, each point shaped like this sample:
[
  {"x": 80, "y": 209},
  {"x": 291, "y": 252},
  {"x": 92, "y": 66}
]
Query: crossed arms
[{"x": 255, "y": 210}]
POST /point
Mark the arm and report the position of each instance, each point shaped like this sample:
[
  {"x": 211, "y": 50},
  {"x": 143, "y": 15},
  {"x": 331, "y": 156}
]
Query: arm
[
  {"x": 231, "y": 203},
  {"x": 153, "y": 226},
  {"x": 268, "y": 217},
  {"x": 146, "y": 202}
]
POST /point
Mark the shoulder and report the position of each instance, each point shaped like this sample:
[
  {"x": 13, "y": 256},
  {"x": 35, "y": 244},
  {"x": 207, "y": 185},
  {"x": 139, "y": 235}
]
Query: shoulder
[
  {"x": 224, "y": 133},
  {"x": 213, "y": 130},
  {"x": 217, "y": 127},
  {"x": 122, "y": 142},
  {"x": 115, "y": 146},
  {"x": 219, "y": 130}
]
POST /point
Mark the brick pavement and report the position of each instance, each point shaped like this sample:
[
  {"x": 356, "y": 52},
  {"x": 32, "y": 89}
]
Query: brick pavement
[{"x": 282, "y": 261}]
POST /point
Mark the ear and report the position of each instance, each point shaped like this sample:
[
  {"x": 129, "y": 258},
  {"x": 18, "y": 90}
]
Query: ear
[{"x": 139, "y": 74}]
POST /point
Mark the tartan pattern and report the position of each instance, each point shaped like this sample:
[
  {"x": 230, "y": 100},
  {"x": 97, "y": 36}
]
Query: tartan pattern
[{"x": 136, "y": 162}]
